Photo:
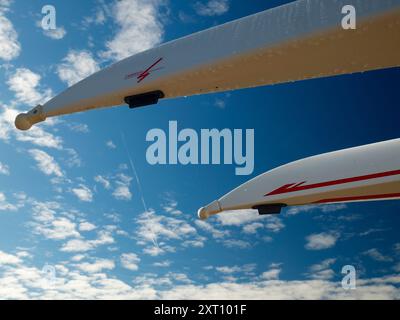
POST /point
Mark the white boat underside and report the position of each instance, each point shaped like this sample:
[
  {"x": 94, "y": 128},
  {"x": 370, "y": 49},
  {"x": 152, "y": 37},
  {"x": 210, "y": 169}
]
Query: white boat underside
[
  {"x": 373, "y": 45},
  {"x": 301, "y": 40}
]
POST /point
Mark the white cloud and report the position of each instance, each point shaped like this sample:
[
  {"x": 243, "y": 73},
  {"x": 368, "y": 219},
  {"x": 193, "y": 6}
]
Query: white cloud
[
  {"x": 76, "y": 66},
  {"x": 45, "y": 212},
  {"x": 153, "y": 226},
  {"x": 26, "y": 86},
  {"x": 252, "y": 227},
  {"x": 332, "y": 207},
  {"x": 320, "y": 241},
  {"x": 6, "y": 206},
  {"x": 56, "y": 34},
  {"x": 78, "y": 127},
  {"x": 48, "y": 222},
  {"x": 139, "y": 28},
  {"x": 217, "y": 234},
  {"x": 180, "y": 277},
  {"x": 40, "y": 137},
  {"x": 99, "y": 16},
  {"x": 162, "y": 264},
  {"x": 130, "y": 261},
  {"x": 267, "y": 239},
  {"x": 225, "y": 269},
  {"x": 58, "y": 229},
  {"x": 20, "y": 280},
  {"x": 122, "y": 191},
  {"x": 103, "y": 181},
  {"x": 46, "y": 163},
  {"x": 77, "y": 245},
  {"x": 115, "y": 217},
  {"x": 250, "y": 220},
  {"x": 185, "y": 18},
  {"x": 234, "y": 243},
  {"x": 73, "y": 158},
  {"x": 10, "y": 48},
  {"x": 326, "y": 208},
  {"x": 110, "y": 144},
  {"x": 78, "y": 257},
  {"x": 86, "y": 226},
  {"x": 238, "y": 217},
  {"x": 6, "y": 258},
  {"x": 198, "y": 243},
  {"x": 212, "y": 7},
  {"x": 24, "y": 254},
  {"x": 322, "y": 270},
  {"x": 160, "y": 234},
  {"x": 172, "y": 207},
  {"x": 272, "y": 274},
  {"x": 5, "y": 124},
  {"x": 24, "y": 282},
  {"x": 247, "y": 268},
  {"x": 370, "y": 231},
  {"x": 83, "y": 193},
  {"x": 4, "y": 4},
  {"x": 327, "y": 263},
  {"x": 153, "y": 251},
  {"x": 396, "y": 248},
  {"x": 4, "y": 169},
  {"x": 97, "y": 266},
  {"x": 274, "y": 224},
  {"x": 37, "y": 136},
  {"x": 81, "y": 245},
  {"x": 220, "y": 103},
  {"x": 323, "y": 274},
  {"x": 377, "y": 256},
  {"x": 377, "y": 289}
]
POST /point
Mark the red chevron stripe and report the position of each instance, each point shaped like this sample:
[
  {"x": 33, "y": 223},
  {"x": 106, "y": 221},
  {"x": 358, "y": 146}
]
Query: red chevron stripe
[
  {"x": 146, "y": 72},
  {"x": 369, "y": 197},
  {"x": 294, "y": 187}
]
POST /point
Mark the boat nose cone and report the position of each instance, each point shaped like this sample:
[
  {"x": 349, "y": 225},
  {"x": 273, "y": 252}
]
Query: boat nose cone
[
  {"x": 205, "y": 212},
  {"x": 22, "y": 122}
]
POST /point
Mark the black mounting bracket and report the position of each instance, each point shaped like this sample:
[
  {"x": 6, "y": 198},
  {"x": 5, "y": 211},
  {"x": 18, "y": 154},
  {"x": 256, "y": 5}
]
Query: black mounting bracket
[
  {"x": 144, "y": 99},
  {"x": 270, "y": 208}
]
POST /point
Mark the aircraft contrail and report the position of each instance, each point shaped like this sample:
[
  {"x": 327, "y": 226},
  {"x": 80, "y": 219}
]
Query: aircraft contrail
[{"x": 133, "y": 168}]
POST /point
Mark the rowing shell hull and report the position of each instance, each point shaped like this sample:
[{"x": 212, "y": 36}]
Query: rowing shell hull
[
  {"x": 301, "y": 40},
  {"x": 365, "y": 173}
]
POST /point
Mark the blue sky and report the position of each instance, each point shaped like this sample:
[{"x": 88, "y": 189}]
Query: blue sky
[{"x": 69, "y": 198}]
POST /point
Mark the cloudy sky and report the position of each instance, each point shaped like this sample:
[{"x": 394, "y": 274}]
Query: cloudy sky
[{"x": 77, "y": 222}]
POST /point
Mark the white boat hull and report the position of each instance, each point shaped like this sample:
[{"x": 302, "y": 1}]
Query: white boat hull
[
  {"x": 365, "y": 173},
  {"x": 301, "y": 40}
]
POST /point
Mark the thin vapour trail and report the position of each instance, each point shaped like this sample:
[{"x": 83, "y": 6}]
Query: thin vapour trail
[{"x": 133, "y": 168}]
